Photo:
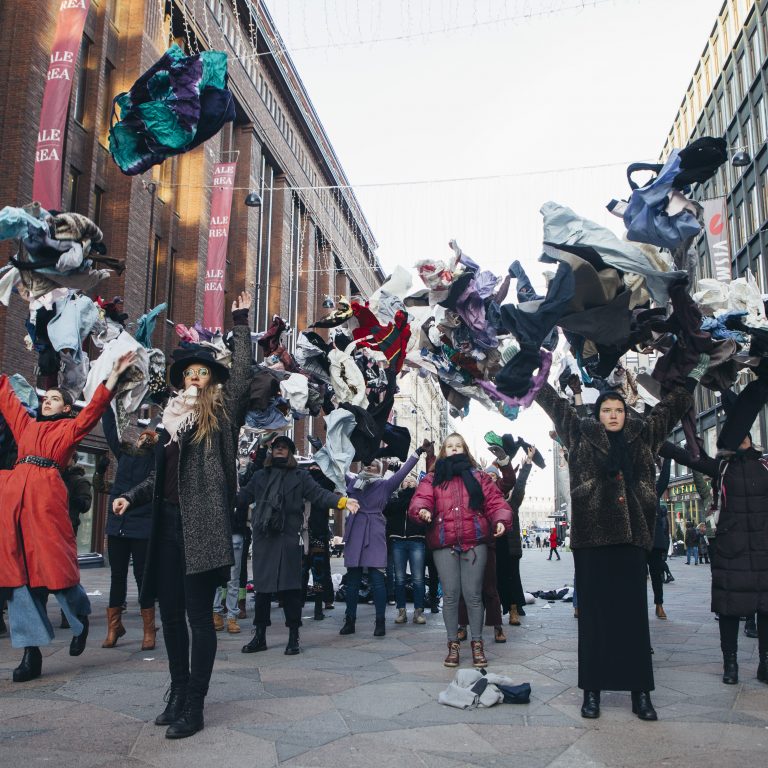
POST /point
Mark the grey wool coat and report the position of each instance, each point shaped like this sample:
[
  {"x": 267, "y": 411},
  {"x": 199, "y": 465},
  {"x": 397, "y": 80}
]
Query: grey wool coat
[
  {"x": 606, "y": 511},
  {"x": 207, "y": 480},
  {"x": 277, "y": 557}
]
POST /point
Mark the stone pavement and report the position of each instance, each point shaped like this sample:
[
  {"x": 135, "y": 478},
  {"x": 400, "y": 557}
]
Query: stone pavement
[{"x": 365, "y": 702}]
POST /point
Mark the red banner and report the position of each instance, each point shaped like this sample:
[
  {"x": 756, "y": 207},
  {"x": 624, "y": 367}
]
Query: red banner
[
  {"x": 49, "y": 154},
  {"x": 218, "y": 236}
]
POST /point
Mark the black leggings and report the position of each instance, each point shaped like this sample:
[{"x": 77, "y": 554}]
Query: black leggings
[
  {"x": 729, "y": 633},
  {"x": 292, "y": 600},
  {"x": 656, "y": 569},
  {"x": 180, "y": 594},
  {"x": 120, "y": 551}
]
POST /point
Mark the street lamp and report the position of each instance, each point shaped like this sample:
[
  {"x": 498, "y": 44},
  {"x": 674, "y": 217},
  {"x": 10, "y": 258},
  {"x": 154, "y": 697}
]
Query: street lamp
[{"x": 253, "y": 199}]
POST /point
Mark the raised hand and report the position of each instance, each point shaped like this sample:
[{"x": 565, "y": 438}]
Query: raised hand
[{"x": 243, "y": 301}]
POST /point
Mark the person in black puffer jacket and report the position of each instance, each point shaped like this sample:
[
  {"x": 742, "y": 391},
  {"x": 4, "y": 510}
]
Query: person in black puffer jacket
[
  {"x": 407, "y": 540},
  {"x": 78, "y": 490},
  {"x": 127, "y": 536}
]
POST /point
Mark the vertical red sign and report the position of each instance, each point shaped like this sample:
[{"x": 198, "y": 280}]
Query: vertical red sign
[
  {"x": 46, "y": 187},
  {"x": 218, "y": 236}
]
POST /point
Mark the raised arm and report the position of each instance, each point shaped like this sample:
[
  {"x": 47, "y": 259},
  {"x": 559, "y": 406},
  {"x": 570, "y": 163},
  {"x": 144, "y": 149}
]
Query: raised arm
[
  {"x": 14, "y": 412},
  {"x": 518, "y": 492},
  {"x": 564, "y": 416},
  {"x": 704, "y": 464},
  {"x": 236, "y": 388},
  {"x": 109, "y": 425},
  {"x": 662, "y": 419},
  {"x": 393, "y": 483},
  {"x": 662, "y": 481},
  {"x": 317, "y": 495}
]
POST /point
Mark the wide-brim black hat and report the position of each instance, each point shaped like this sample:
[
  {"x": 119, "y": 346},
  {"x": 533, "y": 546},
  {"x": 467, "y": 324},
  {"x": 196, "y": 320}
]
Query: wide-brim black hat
[
  {"x": 286, "y": 441},
  {"x": 183, "y": 356}
]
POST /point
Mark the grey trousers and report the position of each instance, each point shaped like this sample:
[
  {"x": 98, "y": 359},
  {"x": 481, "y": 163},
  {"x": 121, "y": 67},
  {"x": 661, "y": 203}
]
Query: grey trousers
[{"x": 461, "y": 573}]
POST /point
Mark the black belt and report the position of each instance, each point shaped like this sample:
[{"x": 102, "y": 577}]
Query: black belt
[{"x": 39, "y": 461}]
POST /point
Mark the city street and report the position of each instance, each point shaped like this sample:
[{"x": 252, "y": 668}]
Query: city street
[{"x": 358, "y": 701}]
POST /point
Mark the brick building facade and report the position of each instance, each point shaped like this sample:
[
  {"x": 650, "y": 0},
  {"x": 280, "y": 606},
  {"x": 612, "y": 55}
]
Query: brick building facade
[{"x": 308, "y": 238}]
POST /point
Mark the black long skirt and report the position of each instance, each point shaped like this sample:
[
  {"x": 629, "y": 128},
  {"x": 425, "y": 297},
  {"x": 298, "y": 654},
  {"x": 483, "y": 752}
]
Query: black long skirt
[{"x": 614, "y": 638}]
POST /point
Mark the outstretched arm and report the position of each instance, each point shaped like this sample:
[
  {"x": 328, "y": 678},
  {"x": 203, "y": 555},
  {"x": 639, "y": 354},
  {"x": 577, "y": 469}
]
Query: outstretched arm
[
  {"x": 563, "y": 414},
  {"x": 14, "y": 412}
]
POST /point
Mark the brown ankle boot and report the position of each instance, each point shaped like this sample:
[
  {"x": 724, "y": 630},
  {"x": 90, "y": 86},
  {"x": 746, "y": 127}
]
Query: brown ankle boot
[
  {"x": 150, "y": 630},
  {"x": 241, "y": 609},
  {"x": 115, "y": 628},
  {"x": 514, "y": 616},
  {"x": 478, "y": 655},
  {"x": 452, "y": 659},
  {"x": 660, "y": 614}
]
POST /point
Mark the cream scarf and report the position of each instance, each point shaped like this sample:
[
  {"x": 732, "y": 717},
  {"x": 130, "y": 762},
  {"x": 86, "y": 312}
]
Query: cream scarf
[{"x": 180, "y": 414}]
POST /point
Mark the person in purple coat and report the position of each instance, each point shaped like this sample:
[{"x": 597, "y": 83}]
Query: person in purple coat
[{"x": 365, "y": 539}]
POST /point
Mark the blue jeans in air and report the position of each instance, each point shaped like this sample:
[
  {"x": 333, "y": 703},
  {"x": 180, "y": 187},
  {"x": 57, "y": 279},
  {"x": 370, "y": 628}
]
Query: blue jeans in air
[
  {"x": 409, "y": 552},
  {"x": 377, "y": 581},
  {"x": 693, "y": 552},
  {"x": 28, "y": 618}
]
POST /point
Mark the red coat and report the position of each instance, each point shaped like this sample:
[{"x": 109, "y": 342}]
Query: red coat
[
  {"x": 553, "y": 539},
  {"x": 454, "y": 524},
  {"x": 37, "y": 543}
]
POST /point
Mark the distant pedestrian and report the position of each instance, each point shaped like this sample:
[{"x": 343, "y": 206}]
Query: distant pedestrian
[
  {"x": 553, "y": 544},
  {"x": 703, "y": 543},
  {"x": 538, "y": 541},
  {"x": 691, "y": 543}
]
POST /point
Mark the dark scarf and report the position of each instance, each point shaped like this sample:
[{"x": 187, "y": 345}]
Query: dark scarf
[
  {"x": 459, "y": 465},
  {"x": 269, "y": 510},
  {"x": 55, "y": 416},
  {"x": 619, "y": 457}
]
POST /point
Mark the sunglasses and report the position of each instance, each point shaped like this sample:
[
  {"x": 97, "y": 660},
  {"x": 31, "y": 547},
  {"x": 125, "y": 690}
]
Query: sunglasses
[{"x": 201, "y": 371}]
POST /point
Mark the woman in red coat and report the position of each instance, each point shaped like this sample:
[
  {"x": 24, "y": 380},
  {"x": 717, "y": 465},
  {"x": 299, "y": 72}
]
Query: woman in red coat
[
  {"x": 465, "y": 510},
  {"x": 553, "y": 543},
  {"x": 38, "y": 552}
]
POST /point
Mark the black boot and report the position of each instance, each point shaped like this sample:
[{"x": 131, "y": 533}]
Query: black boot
[
  {"x": 293, "y": 648},
  {"x": 349, "y": 627},
  {"x": 77, "y": 644},
  {"x": 642, "y": 707},
  {"x": 380, "y": 630},
  {"x": 434, "y": 603},
  {"x": 319, "y": 615},
  {"x": 175, "y": 697},
  {"x": 762, "y": 667},
  {"x": 730, "y": 668},
  {"x": 750, "y": 626},
  {"x": 31, "y": 665},
  {"x": 191, "y": 719},
  {"x": 591, "y": 706},
  {"x": 258, "y": 641}
]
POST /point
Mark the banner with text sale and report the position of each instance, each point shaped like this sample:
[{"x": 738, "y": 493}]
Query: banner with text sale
[
  {"x": 717, "y": 238},
  {"x": 49, "y": 153},
  {"x": 218, "y": 236}
]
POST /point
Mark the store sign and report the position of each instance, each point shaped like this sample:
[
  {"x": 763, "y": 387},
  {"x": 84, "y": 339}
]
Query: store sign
[
  {"x": 715, "y": 218},
  {"x": 218, "y": 237},
  {"x": 49, "y": 152}
]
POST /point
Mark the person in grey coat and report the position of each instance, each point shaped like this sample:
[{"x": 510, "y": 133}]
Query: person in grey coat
[
  {"x": 192, "y": 491},
  {"x": 278, "y": 493}
]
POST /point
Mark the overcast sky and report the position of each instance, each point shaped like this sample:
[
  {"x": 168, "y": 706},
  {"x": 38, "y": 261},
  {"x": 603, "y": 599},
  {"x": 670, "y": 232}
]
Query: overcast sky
[{"x": 518, "y": 90}]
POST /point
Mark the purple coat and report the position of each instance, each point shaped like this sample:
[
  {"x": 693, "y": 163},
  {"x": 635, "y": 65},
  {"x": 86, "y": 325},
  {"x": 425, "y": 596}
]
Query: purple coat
[{"x": 365, "y": 538}]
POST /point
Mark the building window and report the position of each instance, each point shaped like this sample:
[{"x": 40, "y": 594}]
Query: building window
[
  {"x": 762, "y": 120},
  {"x": 755, "y": 52},
  {"x": 741, "y": 80},
  {"x": 741, "y": 223},
  {"x": 747, "y": 137},
  {"x": 156, "y": 278},
  {"x": 112, "y": 10},
  {"x": 73, "y": 187},
  {"x": 98, "y": 205},
  {"x": 81, "y": 80},
  {"x": 171, "y": 281},
  {"x": 106, "y": 112},
  {"x": 764, "y": 194},
  {"x": 730, "y": 101},
  {"x": 754, "y": 211},
  {"x": 708, "y": 74}
]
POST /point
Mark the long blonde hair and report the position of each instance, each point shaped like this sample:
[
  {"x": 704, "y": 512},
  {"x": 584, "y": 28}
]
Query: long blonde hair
[
  {"x": 467, "y": 452},
  {"x": 209, "y": 408}
]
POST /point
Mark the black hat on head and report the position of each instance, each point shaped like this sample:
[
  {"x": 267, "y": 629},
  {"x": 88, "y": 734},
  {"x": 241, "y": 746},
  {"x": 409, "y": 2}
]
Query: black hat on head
[
  {"x": 286, "y": 441},
  {"x": 184, "y": 356}
]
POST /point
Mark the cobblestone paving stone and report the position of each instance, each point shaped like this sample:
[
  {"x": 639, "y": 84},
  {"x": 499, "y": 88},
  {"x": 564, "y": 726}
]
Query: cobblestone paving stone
[{"x": 364, "y": 701}]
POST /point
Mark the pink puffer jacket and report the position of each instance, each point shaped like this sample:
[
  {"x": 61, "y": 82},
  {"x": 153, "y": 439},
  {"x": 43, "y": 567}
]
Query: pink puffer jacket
[{"x": 454, "y": 524}]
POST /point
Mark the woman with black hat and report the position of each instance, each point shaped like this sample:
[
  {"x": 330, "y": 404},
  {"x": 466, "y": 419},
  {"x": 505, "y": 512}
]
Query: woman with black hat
[
  {"x": 613, "y": 511},
  {"x": 278, "y": 492},
  {"x": 192, "y": 491}
]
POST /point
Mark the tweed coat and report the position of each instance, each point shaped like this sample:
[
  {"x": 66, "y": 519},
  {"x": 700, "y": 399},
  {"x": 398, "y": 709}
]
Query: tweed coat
[
  {"x": 207, "y": 480},
  {"x": 607, "y": 511},
  {"x": 277, "y": 557}
]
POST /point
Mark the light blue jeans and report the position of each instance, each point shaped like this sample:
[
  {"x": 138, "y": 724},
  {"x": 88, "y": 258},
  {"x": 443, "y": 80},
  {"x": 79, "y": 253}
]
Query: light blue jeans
[
  {"x": 411, "y": 552},
  {"x": 693, "y": 552},
  {"x": 28, "y": 618},
  {"x": 233, "y": 585}
]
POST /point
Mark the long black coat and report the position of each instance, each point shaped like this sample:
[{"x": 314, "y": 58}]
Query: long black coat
[
  {"x": 740, "y": 564},
  {"x": 207, "y": 480},
  {"x": 134, "y": 466},
  {"x": 277, "y": 558},
  {"x": 606, "y": 511}
]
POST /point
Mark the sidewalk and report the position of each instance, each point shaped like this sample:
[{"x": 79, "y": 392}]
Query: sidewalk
[{"x": 365, "y": 702}]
